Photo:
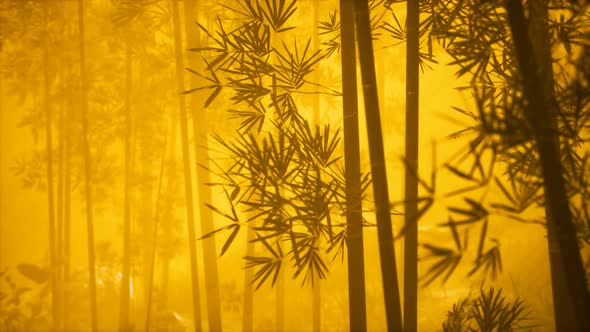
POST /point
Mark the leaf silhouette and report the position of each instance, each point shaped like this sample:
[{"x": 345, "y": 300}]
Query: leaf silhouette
[{"x": 34, "y": 272}]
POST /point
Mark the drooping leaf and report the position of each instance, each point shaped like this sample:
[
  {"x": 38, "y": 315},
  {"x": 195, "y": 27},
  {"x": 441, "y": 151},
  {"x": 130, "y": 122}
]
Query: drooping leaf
[{"x": 33, "y": 272}]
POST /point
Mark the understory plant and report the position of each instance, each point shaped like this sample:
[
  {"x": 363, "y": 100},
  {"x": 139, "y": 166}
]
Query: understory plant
[{"x": 488, "y": 311}]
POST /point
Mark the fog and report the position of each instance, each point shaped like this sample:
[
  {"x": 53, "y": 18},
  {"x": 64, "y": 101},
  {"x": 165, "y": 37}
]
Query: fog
[{"x": 180, "y": 165}]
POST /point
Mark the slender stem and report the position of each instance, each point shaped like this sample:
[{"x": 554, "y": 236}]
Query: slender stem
[
  {"x": 248, "y": 300},
  {"x": 125, "y": 280},
  {"x": 50, "y": 184},
  {"x": 150, "y": 284},
  {"x": 87, "y": 172},
  {"x": 59, "y": 213},
  {"x": 316, "y": 287},
  {"x": 201, "y": 125},
  {"x": 67, "y": 215}
]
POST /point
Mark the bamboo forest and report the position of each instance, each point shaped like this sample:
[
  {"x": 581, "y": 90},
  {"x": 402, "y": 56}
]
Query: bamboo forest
[{"x": 294, "y": 165}]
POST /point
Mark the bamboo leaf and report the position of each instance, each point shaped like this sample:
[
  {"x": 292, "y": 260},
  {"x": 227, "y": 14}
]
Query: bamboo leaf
[{"x": 230, "y": 239}]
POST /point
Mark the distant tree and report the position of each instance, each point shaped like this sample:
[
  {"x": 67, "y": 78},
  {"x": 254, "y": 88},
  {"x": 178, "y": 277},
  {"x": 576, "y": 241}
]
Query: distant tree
[
  {"x": 299, "y": 189},
  {"x": 190, "y": 214},
  {"x": 201, "y": 124},
  {"x": 156, "y": 224},
  {"x": 87, "y": 172},
  {"x": 55, "y": 290}
]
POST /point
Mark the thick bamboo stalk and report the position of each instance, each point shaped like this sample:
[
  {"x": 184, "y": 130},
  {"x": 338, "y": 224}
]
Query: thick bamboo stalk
[
  {"x": 539, "y": 30},
  {"x": 352, "y": 167},
  {"x": 539, "y": 116},
  {"x": 377, "y": 156},
  {"x": 411, "y": 180}
]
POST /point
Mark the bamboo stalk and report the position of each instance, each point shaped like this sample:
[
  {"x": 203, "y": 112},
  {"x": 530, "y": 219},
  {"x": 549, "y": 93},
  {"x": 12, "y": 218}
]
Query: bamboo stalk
[
  {"x": 352, "y": 168},
  {"x": 190, "y": 214},
  {"x": 201, "y": 125},
  {"x": 154, "y": 241},
  {"x": 539, "y": 117},
  {"x": 125, "y": 280},
  {"x": 87, "y": 172},
  {"x": 411, "y": 180},
  {"x": 49, "y": 174},
  {"x": 377, "y": 155}
]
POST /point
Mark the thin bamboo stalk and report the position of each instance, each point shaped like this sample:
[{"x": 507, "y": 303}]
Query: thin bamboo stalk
[
  {"x": 87, "y": 172},
  {"x": 190, "y": 214}
]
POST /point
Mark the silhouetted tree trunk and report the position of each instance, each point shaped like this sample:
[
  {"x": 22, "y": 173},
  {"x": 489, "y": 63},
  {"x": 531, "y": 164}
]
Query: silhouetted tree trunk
[
  {"x": 380, "y": 189},
  {"x": 125, "y": 279},
  {"x": 201, "y": 125},
  {"x": 352, "y": 167},
  {"x": 50, "y": 185},
  {"x": 87, "y": 172},
  {"x": 190, "y": 214},
  {"x": 541, "y": 119},
  {"x": 539, "y": 30},
  {"x": 411, "y": 181}
]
